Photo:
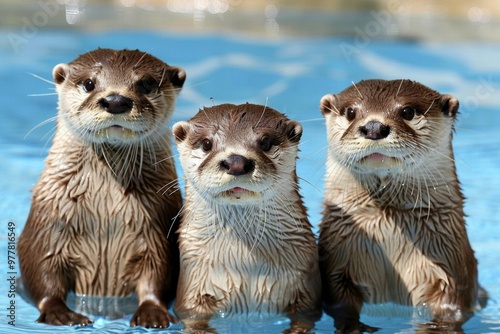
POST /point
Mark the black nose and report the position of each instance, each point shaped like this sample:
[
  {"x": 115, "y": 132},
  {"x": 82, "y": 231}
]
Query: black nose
[
  {"x": 237, "y": 165},
  {"x": 375, "y": 130},
  {"x": 116, "y": 104}
]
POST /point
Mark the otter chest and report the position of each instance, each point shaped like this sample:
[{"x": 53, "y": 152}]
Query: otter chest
[
  {"x": 107, "y": 226},
  {"x": 392, "y": 254},
  {"x": 244, "y": 274}
]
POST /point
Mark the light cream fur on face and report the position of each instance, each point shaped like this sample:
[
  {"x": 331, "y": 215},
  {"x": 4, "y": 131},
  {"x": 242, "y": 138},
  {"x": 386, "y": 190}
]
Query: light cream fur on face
[
  {"x": 246, "y": 244},
  {"x": 393, "y": 226}
]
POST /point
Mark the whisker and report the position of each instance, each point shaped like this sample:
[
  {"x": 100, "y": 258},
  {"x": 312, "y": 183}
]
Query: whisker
[
  {"x": 140, "y": 59},
  {"x": 43, "y": 79},
  {"x": 312, "y": 120},
  {"x": 428, "y": 108},
  {"x": 48, "y": 120},
  {"x": 400, "y": 84},
  {"x": 361, "y": 95},
  {"x": 162, "y": 77},
  {"x": 165, "y": 159},
  {"x": 42, "y": 94},
  {"x": 261, "y": 115}
]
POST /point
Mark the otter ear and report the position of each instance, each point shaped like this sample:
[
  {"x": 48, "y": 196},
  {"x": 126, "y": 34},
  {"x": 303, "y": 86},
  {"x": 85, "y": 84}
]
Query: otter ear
[
  {"x": 449, "y": 105},
  {"x": 177, "y": 76},
  {"x": 294, "y": 131},
  {"x": 328, "y": 104},
  {"x": 60, "y": 73},
  {"x": 180, "y": 130}
]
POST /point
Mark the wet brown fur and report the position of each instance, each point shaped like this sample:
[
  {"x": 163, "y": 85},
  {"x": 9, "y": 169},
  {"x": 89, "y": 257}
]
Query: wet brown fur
[
  {"x": 98, "y": 224},
  {"x": 257, "y": 256},
  {"x": 394, "y": 233}
]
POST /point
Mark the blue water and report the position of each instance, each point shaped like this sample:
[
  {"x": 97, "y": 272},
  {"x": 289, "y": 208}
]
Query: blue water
[{"x": 290, "y": 75}]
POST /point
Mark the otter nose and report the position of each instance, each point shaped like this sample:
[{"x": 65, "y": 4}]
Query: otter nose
[
  {"x": 375, "y": 130},
  {"x": 237, "y": 165},
  {"x": 116, "y": 104}
]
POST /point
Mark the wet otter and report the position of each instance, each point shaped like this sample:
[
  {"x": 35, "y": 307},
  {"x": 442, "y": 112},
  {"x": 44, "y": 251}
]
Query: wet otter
[
  {"x": 393, "y": 226},
  {"x": 245, "y": 242},
  {"x": 98, "y": 224}
]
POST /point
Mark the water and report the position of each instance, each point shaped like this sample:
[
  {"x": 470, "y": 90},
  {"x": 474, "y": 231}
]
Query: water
[{"x": 290, "y": 75}]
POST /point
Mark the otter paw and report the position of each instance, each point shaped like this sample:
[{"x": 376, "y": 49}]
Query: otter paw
[
  {"x": 354, "y": 328},
  {"x": 150, "y": 315},
  {"x": 61, "y": 315}
]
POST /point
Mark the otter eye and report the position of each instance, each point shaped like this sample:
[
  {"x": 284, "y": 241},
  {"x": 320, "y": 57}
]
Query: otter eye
[
  {"x": 206, "y": 145},
  {"x": 408, "y": 113},
  {"x": 147, "y": 85},
  {"x": 350, "y": 113},
  {"x": 266, "y": 144},
  {"x": 88, "y": 85}
]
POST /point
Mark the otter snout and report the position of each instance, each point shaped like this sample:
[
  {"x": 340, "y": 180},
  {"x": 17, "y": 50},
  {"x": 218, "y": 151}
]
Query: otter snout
[
  {"x": 116, "y": 104},
  {"x": 237, "y": 165},
  {"x": 375, "y": 130}
]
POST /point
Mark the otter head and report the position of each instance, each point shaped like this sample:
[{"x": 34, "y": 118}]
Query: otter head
[
  {"x": 117, "y": 97},
  {"x": 238, "y": 154},
  {"x": 387, "y": 127}
]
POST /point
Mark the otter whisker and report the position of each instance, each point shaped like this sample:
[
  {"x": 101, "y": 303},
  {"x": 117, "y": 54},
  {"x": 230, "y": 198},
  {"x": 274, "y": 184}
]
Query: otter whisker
[
  {"x": 140, "y": 59},
  {"x": 162, "y": 77},
  {"x": 170, "y": 157},
  {"x": 41, "y": 78},
  {"x": 262, "y": 226},
  {"x": 141, "y": 158},
  {"x": 262, "y": 115},
  {"x": 206, "y": 115},
  {"x": 312, "y": 120},
  {"x": 399, "y": 88},
  {"x": 42, "y": 94},
  {"x": 48, "y": 120},
  {"x": 430, "y": 106},
  {"x": 360, "y": 95},
  {"x": 168, "y": 188},
  {"x": 335, "y": 108}
]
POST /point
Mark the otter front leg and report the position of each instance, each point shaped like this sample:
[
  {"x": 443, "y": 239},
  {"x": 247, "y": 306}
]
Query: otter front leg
[
  {"x": 303, "y": 322},
  {"x": 152, "y": 314},
  {"x": 46, "y": 275},
  {"x": 193, "y": 308},
  {"x": 451, "y": 303},
  {"x": 49, "y": 293},
  {"x": 306, "y": 309},
  {"x": 195, "y": 311},
  {"x": 153, "y": 310},
  {"x": 53, "y": 311},
  {"x": 346, "y": 319},
  {"x": 343, "y": 302}
]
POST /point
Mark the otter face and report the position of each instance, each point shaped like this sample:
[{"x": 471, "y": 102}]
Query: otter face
[
  {"x": 382, "y": 127},
  {"x": 117, "y": 97},
  {"x": 238, "y": 154}
]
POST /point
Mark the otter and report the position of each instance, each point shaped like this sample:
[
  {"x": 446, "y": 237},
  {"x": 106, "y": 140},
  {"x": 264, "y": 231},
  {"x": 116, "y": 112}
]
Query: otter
[
  {"x": 393, "y": 227},
  {"x": 246, "y": 245},
  {"x": 98, "y": 225}
]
